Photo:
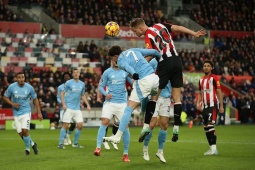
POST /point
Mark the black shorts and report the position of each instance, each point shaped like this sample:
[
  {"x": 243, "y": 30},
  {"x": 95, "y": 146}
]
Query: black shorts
[
  {"x": 170, "y": 69},
  {"x": 210, "y": 115}
]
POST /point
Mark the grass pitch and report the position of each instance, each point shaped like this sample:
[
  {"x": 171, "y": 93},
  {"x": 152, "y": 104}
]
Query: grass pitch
[{"x": 236, "y": 146}]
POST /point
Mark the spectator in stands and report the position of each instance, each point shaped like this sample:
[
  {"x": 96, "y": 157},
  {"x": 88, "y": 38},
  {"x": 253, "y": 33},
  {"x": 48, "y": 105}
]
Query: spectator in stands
[
  {"x": 245, "y": 109},
  {"x": 80, "y": 48},
  {"x": 44, "y": 29},
  {"x": 253, "y": 108}
]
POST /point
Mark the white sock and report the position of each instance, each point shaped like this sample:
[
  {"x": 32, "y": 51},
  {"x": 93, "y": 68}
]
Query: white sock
[
  {"x": 176, "y": 129},
  {"x": 213, "y": 147},
  {"x": 160, "y": 151},
  {"x": 145, "y": 148},
  {"x": 119, "y": 134},
  {"x": 145, "y": 126}
]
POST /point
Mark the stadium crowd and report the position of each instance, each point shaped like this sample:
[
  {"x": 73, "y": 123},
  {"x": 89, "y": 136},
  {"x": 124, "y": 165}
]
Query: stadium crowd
[{"x": 231, "y": 15}]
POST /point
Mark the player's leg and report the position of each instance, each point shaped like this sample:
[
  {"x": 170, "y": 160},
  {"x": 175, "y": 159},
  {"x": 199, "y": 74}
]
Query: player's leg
[
  {"x": 126, "y": 141},
  {"x": 25, "y": 126},
  {"x": 123, "y": 122},
  {"x": 148, "y": 127},
  {"x": 115, "y": 128},
  {"x": 162, "y": 137},
  {"x": 108, "y": 109},
  {"x": 148, "y": 138},
  {"x": 209, "y": 122},
  {"x": 67, "y": 116},
  {"x": 69, "y": 132},
  {"x": 105, "y": 143},
  {"x": 148, "y": 114},
  {"x": 79, "y": 119},
  {"x": 164, "y": 114},
  {"x": 141, "y": 89}
]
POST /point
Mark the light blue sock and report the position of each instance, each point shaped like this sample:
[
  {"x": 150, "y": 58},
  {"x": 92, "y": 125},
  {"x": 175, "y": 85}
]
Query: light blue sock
[
  {"x": 147, "y": 139},
  {"x": 125, "y": 118},
  {"x": 77, "y": 134},
  {"x": 161, "y": 138},
  {"x": 100, "y": 134},
  {"x": 126, "y": 140},
  {"x": 69, "y": 132},
  {"x": 62, "y": 136},
  {"x": 26, "y": 139},
  {"x": 31, "y": 142},
  {"x": 144, "y": 104}
]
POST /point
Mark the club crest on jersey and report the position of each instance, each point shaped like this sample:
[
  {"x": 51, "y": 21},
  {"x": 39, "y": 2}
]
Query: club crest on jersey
[{"x": 147, "y": 45}]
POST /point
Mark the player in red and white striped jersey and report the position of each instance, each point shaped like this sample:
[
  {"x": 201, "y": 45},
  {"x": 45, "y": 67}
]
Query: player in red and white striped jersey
[
  {"x": 170, "y": 65},
  {"x": 211, "y": 97}
]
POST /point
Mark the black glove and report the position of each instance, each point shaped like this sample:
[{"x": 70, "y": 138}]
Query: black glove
[{"x": 135, "y": 76}]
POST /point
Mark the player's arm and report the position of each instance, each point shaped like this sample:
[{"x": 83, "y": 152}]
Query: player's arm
[
  {"x": 7, "y": 96},
  {"x": 129, "y": 80},
  {"x": 38, "y": 108},
  {"x": 216, "y": 83},
  {"x": 36, "y": 103},
  {"x": 62, "y": 96},
  {"x": 85, "y": 100},
  {"x": 149, "y": 52},
  {"x": 126, "y": 67},
  {"x": 59, "y": 96},
  {"x": 7, "y": 100},
  {"x": 199, "y": 98},
  {"x": 181, "y": 29},
  {"x": 103, "y": 83},
  {"x": 99, "y": 95}
]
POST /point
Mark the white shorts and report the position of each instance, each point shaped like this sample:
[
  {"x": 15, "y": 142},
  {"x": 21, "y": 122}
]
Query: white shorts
[
  {"x": 144, "y": 87},
  {"x": 116, "y": 109},
  {"x": 22, "y": 122},
  {"x": 62, "y": 111},
  {"x": 74, "y": 115},
  {"x": 162, "y": 107}
]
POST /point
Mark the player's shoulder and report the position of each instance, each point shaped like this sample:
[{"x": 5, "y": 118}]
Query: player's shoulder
[
  {"x": 61, "y": 86},
  {"x": 13, "y": 85},
  {"x": 214, "y": 76},
  {"x": 107, "y": 71},
  {"x": 28, "y": 85}
]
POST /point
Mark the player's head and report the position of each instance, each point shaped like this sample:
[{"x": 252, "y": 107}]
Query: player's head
[
  {"x": 20, "y": 78},
  {"x": 66, "y": 76},
  {"x": 114, "y": 53},
  {"x": 75, "y": 73},
  {"x": 207, "y": 67},
  {"x": 138, "y": 26}
]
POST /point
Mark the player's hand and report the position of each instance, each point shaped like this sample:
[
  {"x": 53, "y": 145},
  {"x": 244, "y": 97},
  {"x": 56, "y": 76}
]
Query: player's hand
[
  {"x": 221, "y": 110},
  {"x": 64, "y": 106},
  {"x": 99, "y": 100},
  {"x": 135, "y": 76},
  {"x": 16, "y": 105},
  {"x": 108, "y": 96},
  {"x": 200, "y": 33},
  {"x": 88, "y": 108},
  {"x": 40, "y": 116}
]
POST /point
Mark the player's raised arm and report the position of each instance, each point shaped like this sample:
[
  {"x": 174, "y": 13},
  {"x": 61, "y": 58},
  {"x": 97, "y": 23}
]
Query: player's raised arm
[{"x": 148, "y": 52}]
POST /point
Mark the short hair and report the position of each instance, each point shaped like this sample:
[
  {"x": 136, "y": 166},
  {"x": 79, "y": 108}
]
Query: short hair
[
  {"x": 208, "y": 61},
  {"x": 114, "y": 50},
  {"x": 66, "y": 73},
  {"x": 136, "y": 22},
  {"x": 20, "y": 73},
  {"x": 75, "y": 68}
]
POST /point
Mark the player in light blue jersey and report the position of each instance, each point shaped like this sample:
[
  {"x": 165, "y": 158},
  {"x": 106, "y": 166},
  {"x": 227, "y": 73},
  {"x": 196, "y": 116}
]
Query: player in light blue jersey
[
  {"x": 115, "y": 103},
  {"x": 20, "y": 94},
  {"x": 67, "y": 140},
  {"x": 146, "y": 81},
  {"x": 71, "y": 95}
]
